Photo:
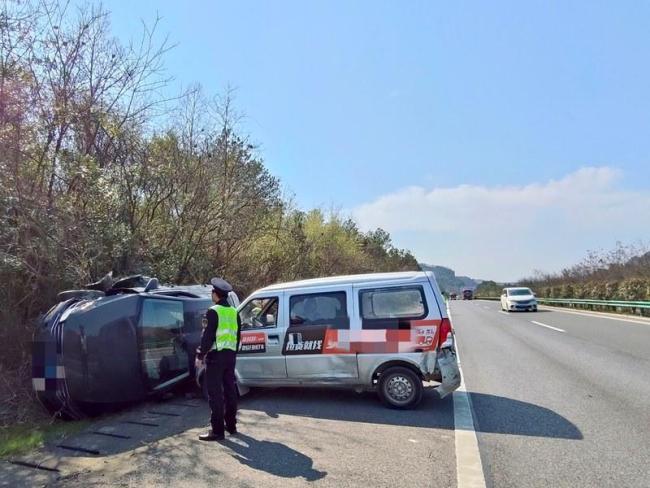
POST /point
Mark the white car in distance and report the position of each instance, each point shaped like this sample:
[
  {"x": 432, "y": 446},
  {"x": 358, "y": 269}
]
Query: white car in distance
[{"x": 513, "y": 299}]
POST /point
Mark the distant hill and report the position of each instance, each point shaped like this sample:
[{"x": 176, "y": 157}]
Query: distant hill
[{"x": 447, "y": 279}]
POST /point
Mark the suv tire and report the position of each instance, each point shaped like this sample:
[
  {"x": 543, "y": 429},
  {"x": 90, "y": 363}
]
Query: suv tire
[{"x": 400, "y": 388}]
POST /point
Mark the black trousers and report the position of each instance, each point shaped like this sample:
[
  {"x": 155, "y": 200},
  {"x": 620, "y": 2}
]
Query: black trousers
[{"x": 222, "y": 390}]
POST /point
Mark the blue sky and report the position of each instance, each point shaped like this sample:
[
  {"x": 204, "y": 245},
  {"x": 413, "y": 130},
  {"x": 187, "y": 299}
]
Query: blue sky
[{"x": 439, "y": 111}]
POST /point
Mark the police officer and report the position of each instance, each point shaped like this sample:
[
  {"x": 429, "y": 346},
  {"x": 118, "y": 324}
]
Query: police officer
[{"x": 219, "y": 345}]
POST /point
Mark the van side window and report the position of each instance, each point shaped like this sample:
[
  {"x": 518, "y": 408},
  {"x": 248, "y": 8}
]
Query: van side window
[
  {"x": 392, "y": 308},
  {"x": 259, "y": 312},
  {"x": 320, "y": 309}
]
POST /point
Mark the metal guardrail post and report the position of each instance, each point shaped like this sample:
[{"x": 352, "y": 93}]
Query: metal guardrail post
[{"x": 634, "y": 306}]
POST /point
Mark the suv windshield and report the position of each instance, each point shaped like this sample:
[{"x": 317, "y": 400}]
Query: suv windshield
[{"x": 520, "y": 291}]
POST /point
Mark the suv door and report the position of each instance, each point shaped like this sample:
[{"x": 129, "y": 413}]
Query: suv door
[
  {"x": 161, "y": 341},
  {"x": 262, "y": 335},
  {"x": 317, "y": 324}
]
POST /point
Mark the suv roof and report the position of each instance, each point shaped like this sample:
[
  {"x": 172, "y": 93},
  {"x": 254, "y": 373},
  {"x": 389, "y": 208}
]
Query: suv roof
[{"x": 349, "y": 279}]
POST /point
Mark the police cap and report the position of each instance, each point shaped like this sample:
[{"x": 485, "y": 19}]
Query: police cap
[{"x": 220, "y": 285}]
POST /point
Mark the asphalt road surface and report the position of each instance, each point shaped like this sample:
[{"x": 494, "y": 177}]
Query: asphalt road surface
[
  {"x": 558, "y": 399},
  {"x": 288, "y": 437},
  {"x": 561, "y": 402}
]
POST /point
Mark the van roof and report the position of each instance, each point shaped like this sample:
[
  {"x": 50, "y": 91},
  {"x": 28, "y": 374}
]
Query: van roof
[{"x": 349, "y": 279}]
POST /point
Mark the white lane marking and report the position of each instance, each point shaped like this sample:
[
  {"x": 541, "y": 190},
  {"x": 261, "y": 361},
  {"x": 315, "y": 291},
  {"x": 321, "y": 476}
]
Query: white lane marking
[
  {"x": 599, "y": 315},
  {"x": 469, "y": 468},
  {"x": 505, "y": 313},
  {"x": 547, "y": 326}
]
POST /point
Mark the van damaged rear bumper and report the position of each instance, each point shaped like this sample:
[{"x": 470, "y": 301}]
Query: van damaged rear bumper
[{"x": 446, "y": 372}]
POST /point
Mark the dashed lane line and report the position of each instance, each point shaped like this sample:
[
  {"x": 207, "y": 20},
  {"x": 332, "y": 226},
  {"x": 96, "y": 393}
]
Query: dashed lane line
[{"x": 547, "y": 326}]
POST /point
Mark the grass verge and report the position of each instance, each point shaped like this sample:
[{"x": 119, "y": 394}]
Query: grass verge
[
  {"x": 22, "y": 438},
  {"x": 24, "y": 423}
]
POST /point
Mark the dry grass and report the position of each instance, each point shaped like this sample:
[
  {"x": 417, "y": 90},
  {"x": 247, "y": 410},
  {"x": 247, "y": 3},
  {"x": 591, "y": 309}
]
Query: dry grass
[
  {"x": 24, "y": 423},
  {"x": 18, "y": 404}
]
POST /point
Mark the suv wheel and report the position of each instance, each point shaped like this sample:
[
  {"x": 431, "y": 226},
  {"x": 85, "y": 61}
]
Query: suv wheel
[{"x": 400, "y": 387}]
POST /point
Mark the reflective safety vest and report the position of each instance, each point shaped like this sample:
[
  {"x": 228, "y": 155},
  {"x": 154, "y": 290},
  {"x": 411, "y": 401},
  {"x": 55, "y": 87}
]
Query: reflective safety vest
[{"x": 227, "y": 327}]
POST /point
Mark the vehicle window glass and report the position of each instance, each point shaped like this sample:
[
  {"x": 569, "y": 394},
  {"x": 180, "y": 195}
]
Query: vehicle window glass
[
  {"x": 320, "y": 309},
  {"x": 260, "y": 312},
  {"x": 194, "y": 316},
  {"x": 520, "y": 292},
  {"x": 162, "y": 345},
  {"x": 392, "y": 308}
]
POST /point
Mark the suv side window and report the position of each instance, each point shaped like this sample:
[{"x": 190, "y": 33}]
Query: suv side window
[
  {"x": 195, "y": 315},
  {"x": 329, "y": 309},
  {"x": 392, "y": 308},
  {"x": 259, "y": 313}
]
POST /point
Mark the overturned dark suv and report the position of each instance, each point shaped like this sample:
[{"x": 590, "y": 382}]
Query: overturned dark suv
[{"x": 117, "y": 343}]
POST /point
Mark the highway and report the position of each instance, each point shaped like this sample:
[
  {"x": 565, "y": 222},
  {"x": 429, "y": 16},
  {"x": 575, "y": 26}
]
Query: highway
[{"x": 559, "y": 398}]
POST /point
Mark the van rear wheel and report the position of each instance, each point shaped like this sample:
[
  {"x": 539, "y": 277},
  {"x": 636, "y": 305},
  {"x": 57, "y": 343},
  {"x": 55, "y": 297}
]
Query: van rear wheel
[{"x": 400, "y": 388}]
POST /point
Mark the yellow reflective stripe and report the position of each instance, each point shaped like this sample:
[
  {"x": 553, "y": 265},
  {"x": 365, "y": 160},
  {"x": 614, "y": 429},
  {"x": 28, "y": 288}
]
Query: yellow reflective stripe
[{"x": 226, "y": 337}]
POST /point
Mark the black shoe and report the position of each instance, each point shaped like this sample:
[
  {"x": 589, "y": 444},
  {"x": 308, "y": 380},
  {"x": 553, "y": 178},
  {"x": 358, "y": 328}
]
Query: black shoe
[
  {"x": 232, "y": 431},
  {"x": 211, "y": 436}
]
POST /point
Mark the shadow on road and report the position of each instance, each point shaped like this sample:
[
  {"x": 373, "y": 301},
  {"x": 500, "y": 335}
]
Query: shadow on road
[
  {"x": 350, "y": 406},
  {"x": 273, "y": 458},
  {"x": 500, "y": 415},
  {"x": 493, "y": 414}
]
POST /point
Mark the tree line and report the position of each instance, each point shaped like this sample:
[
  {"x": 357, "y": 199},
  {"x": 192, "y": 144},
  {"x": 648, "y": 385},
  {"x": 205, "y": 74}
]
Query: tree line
[
  {"x": 101, "y": 170},
  {"x": 622, "y": 273}
]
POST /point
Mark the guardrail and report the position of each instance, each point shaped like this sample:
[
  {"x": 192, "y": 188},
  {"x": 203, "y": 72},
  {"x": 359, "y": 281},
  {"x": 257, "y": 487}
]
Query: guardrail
[
  {"x": 601, "y": 303},
  {"x": 621, "y": 306}
]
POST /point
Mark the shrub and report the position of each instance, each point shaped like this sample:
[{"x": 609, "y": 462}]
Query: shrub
[{"x": 612, "y": 290}]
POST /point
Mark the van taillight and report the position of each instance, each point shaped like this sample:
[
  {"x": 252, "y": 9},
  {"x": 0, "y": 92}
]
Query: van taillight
[{"x": 445, "y": 332}]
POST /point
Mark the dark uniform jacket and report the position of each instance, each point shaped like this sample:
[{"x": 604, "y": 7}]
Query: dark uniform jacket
[{"x": 210, "y": 333}]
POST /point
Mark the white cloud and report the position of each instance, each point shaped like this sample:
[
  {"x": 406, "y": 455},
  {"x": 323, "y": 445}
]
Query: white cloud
[{"x": 585, "y": 210}]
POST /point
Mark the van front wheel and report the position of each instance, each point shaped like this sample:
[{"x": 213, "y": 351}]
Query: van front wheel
[{"x": 400, "y": 388}]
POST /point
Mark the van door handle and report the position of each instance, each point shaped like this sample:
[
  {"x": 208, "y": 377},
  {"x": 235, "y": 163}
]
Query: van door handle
[{"x": 274, "y": 339}]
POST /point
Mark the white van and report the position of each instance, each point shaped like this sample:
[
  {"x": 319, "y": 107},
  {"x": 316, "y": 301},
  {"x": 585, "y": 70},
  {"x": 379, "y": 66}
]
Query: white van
[{"x": 382, "y": 332}]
